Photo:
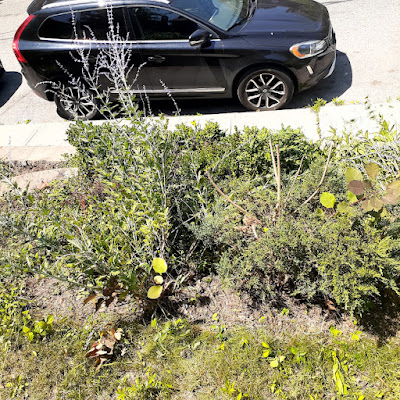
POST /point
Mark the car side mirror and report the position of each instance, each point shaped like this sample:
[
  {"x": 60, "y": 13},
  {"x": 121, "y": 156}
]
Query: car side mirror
[{"x": 199, "y": 37}]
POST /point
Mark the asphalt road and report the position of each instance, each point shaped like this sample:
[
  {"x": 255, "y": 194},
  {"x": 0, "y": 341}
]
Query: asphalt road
[{"x": 368, "y": 65}]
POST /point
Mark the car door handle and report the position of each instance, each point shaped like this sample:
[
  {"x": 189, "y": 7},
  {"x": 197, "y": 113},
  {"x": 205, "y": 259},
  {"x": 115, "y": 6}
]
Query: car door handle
[{"x": 156, "y": 59}]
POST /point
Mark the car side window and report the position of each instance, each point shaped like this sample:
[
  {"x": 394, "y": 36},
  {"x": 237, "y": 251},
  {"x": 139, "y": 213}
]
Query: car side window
[
  {"x": 154, "y": 23},
  {"x": 57, "y": 27},
  {"x": 100, "y": 23},
  {"x": 85, "y": 25}
]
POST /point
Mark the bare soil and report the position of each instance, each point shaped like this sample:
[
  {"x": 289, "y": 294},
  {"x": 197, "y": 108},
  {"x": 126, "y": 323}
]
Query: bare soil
[{"x": 196, "y": 303}]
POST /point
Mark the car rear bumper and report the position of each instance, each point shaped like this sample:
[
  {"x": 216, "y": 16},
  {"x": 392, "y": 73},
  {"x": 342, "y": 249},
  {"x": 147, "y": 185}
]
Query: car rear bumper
[{"x": 36, "y": 82}]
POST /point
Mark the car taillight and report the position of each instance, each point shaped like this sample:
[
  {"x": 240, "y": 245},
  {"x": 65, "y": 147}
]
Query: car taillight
[{"x": 15, "y": 45}]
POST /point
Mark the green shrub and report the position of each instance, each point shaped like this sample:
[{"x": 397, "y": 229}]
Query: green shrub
[
  {"x": 144, "y": 191},
  {"x": 351, "y": 259},
  {"x": 361, "y": 148}
]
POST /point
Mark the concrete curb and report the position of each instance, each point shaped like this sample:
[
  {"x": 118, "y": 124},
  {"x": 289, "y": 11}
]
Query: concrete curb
[
  {"x": 36, "y": 142},
  {"x": 35, "y": 153},
  {"x": 37, "y": 180}
]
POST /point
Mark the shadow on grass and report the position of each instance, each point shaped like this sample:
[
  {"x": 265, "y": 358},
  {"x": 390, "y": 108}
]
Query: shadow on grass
[{"x": 383, "y": 320}]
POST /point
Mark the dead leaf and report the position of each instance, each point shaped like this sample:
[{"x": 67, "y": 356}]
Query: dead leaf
[
  {"x": 103, "y": 349},
  {"x": 356, "y": 187},
  {"x": 99, "y": 302},
  {"x": 330, "y": 305},
  {"x": 109, "y": 300},
  {"x": 91, "y": 297},
  {"x": 118, "y": 335}
]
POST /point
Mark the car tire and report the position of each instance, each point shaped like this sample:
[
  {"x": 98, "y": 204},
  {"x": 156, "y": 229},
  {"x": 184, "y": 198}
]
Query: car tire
[
  {"x": 73, "y": 103},
  {"x": 265, "y": 89}
]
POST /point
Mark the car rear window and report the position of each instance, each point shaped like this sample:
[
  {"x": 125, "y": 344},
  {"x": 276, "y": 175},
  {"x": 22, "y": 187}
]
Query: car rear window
[
  {"x": 57, "y": 27},
  {"x": 85, "y": 25}
]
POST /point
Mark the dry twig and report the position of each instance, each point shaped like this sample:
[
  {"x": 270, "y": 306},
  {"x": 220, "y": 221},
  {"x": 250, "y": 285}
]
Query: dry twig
[
  {"x": 321, "y": 181},
  {"x": 250, "y": 216}
]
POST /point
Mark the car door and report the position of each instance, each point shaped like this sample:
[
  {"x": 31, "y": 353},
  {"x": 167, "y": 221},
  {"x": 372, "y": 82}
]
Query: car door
[
  {"x": 172, "y": 64},
  {"x": 93, "y": 46},
  {"x": 113, "y": 50}
]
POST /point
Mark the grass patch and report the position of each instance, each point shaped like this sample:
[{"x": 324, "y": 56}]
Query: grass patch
[{"x": 179, "y": 360}]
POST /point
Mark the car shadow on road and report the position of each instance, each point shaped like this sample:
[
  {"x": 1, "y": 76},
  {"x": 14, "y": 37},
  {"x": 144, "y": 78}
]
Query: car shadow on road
[
  {"x": 334, "y": 86},
  {"x": 9, "y": 84}
]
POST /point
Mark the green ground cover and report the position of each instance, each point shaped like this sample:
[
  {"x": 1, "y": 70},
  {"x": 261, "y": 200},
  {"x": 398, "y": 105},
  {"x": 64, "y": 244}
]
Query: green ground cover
[{"x": 281, "y": 222}]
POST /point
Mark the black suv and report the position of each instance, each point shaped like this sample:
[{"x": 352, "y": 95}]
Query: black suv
[
  {"x": 261, "y": 51},
  {"x": 1, "y": 69}
]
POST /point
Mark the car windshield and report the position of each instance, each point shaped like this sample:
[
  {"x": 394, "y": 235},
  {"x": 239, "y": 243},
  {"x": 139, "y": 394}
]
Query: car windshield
[{"x": 221, "y": 13}]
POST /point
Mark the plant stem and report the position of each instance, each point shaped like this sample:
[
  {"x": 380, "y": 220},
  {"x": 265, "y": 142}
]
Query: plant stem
[
  {"x": 277, "y": 172},
  {"x": 295, "y": 179},
  {"x": 321, "y": 181},
  {"x": 250, "y": 216}
]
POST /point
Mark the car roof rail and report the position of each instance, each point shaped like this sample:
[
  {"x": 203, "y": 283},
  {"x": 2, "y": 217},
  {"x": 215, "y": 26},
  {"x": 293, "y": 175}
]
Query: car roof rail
[{"x": 60, "y": 3}]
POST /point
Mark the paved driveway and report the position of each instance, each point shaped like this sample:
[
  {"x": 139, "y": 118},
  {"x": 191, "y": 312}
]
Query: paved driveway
[{"x": 368, "y": 35}]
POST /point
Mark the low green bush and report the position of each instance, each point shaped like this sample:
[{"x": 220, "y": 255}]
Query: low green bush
[
  {"x": 202, "y": 200},
  {"x": 348, "y": 258}
]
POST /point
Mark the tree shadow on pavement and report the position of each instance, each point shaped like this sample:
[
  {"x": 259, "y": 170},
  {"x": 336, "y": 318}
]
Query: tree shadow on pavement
[
  {"x": 334, "y": 86},
  {"x": 9, "y": 84}
]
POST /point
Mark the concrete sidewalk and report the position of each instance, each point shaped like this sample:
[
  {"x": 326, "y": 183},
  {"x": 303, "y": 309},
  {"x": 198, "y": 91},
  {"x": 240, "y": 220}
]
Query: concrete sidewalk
[{"x": 47, "y": 142}]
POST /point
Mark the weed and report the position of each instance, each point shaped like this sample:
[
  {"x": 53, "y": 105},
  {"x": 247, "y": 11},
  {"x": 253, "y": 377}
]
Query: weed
[
  {"x": 338, "y": 102},
  {"x": 17, "y": 386},
  {"x": 39, "y": 329},
  {"x": 316, "y": 107},
  {"x": 232, "y": 391}
]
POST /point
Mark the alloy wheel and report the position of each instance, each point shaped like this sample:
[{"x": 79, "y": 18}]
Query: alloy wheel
[
  {"x": 73, "y": 103},
  {"x": 265, "y": 90}
]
